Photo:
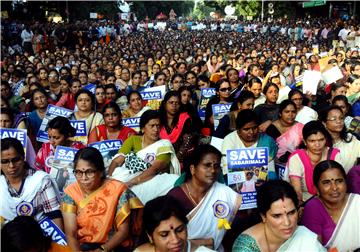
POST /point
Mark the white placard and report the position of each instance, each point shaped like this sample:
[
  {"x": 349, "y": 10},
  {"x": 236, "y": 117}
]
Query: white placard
[
  {"x": 93, "y": 15},
  {"x": 311, "y": 81},
  {"x": 332, "y": 75}
]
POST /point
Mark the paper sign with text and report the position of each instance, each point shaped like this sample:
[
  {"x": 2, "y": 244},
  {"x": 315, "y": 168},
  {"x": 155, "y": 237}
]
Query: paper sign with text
[
  {"x": 205, "y": 96},
  {"x": 219, "y": 110},
  {"x": 19, "y": 134},
  {"x": 108, "y": 149}
]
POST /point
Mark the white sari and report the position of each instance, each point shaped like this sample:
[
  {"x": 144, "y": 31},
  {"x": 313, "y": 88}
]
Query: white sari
[
  {"x": 203, "y": 224},
  {"x": 346, "y": 236},
  {"x": 161, "y": 183}
]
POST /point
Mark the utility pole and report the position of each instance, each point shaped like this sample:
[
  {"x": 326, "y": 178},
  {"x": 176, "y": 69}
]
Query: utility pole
[{"x": 262, "y": 11}]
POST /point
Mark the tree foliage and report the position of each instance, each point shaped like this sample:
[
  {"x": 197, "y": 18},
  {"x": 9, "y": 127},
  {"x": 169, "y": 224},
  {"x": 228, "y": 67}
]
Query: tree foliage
[{"x": 248, "y": 8}]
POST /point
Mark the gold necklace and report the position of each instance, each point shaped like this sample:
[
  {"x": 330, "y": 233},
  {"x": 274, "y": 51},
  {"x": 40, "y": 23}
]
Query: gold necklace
[
  {"x": 266, "y": 239},
  {"x": 191, "y": 198}
]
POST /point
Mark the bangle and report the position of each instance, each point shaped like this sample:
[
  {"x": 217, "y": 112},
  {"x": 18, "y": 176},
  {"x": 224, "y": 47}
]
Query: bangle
[{"x": 103, "y": 248}]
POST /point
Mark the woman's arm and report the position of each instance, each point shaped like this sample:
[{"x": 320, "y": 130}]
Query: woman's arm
[
  {"x": 70, "y": 225},
  {"x": 157, "y": 167},
  {"x": 118, "y": 237},
  {"x": 204, "y": 242},
  {"x": 93, "y": 136},
  {"x": 116, "y": 162},
  {"x": 296, "y": 183}
]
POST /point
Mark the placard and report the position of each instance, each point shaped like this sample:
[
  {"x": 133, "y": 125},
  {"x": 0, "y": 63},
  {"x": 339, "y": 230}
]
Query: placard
[
  {"x": 247, "y": 170},
  {"x": 19, "y": 134},
  {"x": 154, "y": 96},
  {"x": 205, "y": 96},
  {"x": 81, "y": 133},
  {"x": 332, "y": 75},
  {"x": 132, "y": 122},
  {"x": 91, "y": 87},
  {"x": 219, "y": 110},
  {"x": 108, "y": 149},
  {"x": 311, "y": 81}
]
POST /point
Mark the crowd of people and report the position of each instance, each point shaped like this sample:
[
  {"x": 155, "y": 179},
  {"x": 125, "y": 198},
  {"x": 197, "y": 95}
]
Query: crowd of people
[{"x": 168, "y": 186}]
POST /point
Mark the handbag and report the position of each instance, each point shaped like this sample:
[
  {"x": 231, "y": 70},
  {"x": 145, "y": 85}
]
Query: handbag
[{"x": 135, "y": 164}]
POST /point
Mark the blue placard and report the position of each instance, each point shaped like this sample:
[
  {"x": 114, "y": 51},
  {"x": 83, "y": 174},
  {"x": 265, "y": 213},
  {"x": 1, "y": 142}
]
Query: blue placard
[
  {"x": 80, "y": 127},
  {"x": 151, "y": 95},
  {"x": 248, "y": 200},
  {"x": 132, "y": 122},
  {"x": 63, "y": 153},
  {"x": 108, "y": 149},
  {"x": 205, "y": 95},
  {"x": 19, "y": 134},
  {"x": 208, "y": 92},
  {"x": 50, "y": 229},
  {"x": 58, "y": 111},
  {"x": 91, "y": 87},
  {"x": 247, "y": 157},
  {"x": 219, "y": 110}
]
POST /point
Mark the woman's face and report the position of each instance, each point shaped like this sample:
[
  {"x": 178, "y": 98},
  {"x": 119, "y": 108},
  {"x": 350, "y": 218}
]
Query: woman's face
[
  {"x": 339, "y": 91},
  {"x": 281, "y": 219},
  {"x": 332, "y": 186},
  {"x": 76, "y": 86},
  {"x": 151, "y": 130},
  {"x": 272, "y": 94},
  {"x": 342, "y": 105},
  {"x": 297, "y": 70},
  {"x": 43, "y": 74},
  {"x": 136, "y": 79},
  {"x": 161, "y": 80},
  {"x": 224, "y": 90},
  {"x": 249, "y": 132},
  {"x": 297, "y": 99},
  {"x": 177, "y": 83},
  {"x": 100, "y": 95},
  {"x": 213, "y": 59},
  {"x": 233, "y": 76},
  {"x": 15, "y": 168},
  {"x": 155, "y": 69},
  {"x": 172, "y": 105},
  {"x": 335, "y": 121},
  {"x": 288, "y": 115},
  {"x": 64, "y": 86},
  {"x": 40, "y": 101},
  {"x": 315, "y": 143},
  {"x": 135, "y": 102},
  {"x": 117, "y": 70},
  {"x": 247, "y": 104},
  {"x": 170, "y": 236},
  {"x": 90, "y": 179},
  {"x": 125, "y": 75},
  {"x": 5, "y": 121},
  {"x": 111, "y": 118},
  {"x": 74, "y": 71},
  {"x": 190, "y": 78},
  {"x": 256, "y": 89},
  {"x": 56, "y": 138},
  {"x": 185, "y": 97},
  {"x": 84, "y": 102},
  {"x": 205, "y": 173}
]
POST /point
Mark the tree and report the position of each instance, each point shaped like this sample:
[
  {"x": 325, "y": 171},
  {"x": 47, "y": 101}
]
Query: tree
[{"x": 248, "y": 8}]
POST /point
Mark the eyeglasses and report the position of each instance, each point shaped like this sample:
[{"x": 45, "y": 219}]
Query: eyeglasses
[
  {"x": 88, "y": 173},
  {"x": 12, "y": 160},
  {"x": 333, "y": 119},
  {"x": 225, "y": 89}
]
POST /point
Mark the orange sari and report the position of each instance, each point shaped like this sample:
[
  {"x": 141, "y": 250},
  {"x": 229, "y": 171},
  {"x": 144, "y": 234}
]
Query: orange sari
[{"x": 103, "y": 211}]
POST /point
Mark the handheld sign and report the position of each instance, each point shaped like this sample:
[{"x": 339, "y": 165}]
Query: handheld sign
[
  {"x": 19, "y": 134},
  {"x": 154, "y": 96},
  {"x": 311, "y": 81},
  {"x": 91, "y": 87},
  {"x": 62, "y": 166},
  {"x": 205, "y": 95},
  {"x": 247, "y": 169},
  {"x": 50, "y": 229},
  {"x": 108, "y": 149},
  {"x": 51, "y": 112},
  {"x": 219, "y": 110},
  {"x": 81, "y": 133},
  {"x": 132, "y": 122}
]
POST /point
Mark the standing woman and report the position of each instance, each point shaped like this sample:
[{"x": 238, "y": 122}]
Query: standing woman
[
  {"x": 176, "y": 126},
  {"x": 85, "y": 102},
  {"x": 112, "y": 129},
  {"x": 136, "y": 106}
]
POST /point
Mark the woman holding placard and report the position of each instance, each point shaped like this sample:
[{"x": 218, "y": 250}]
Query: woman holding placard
[{"x": 136, "y": 106}]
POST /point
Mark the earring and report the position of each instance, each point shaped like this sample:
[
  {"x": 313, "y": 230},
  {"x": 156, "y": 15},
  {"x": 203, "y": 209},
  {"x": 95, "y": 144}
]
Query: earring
[{"x": 150, "y": 239}]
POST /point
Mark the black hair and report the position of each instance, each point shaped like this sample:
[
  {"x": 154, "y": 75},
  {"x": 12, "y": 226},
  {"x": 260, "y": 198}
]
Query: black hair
[
  {"x": 91, "y": 155},
  {"x": 128, "y": 96},
  {"x": 325, "y": 165},
  {"x": 267, "y": 86},
  {"x": 272, "y": 191},
  {"x": 177, "y": 75},
  {"x": 243, "y": 96},
  {"x": 147, "y": 116},
  {"x": 245, "y": 116},
  {"x": 62, "y": 124},
  {"x": 345, "y": 100},
  {"x": 23, "y": 234},
  {"x": 113, "y": 105},
  {"x": 253, "y": 81},
  {"x": 9, "y": 112},
  {"x": 41, "y": 90},
  {"x": 199, "y": 152},
  {"x": 284, "y": 104},
  {"x": 314, "y": 127},
  {"x": 160, "y": 209},
  {"x": 162, "y": 109},
  {"x": 88, "y": 92},
  {"x": 8, "y": 143},
  {"x": 219, "y": 82}
]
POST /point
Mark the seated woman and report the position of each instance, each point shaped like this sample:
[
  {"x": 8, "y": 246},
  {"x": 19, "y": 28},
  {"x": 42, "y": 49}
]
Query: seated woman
[
  {"x": 142, "y": 158},
  {"x": 176, "y": 126},
  {"x": 136, "y": 106},
  {"x": 277, "y": 204},
  {"x": 59, "y": 132},
  {"x": 165, "y": 224},
  {"x": 67, "y": 99},
  {"x": 334, "y": 214},
  {"x": 304, "y": 114},
  {"x": 301, "y": 163},
  {"x": 112, "y": 129},
  {"x": 247, "y": 135},
  {"x": 245, "y": 100},
  {"x": 23, "y": 190},
  {"x": 202, "y": 198},
  {"x": 99, "y": 214},
  {"x": 349, "y": 146},
  {"x": 286, "y": 131}
]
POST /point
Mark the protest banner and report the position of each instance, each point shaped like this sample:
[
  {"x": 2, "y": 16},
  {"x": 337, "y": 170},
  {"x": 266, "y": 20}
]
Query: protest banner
[
  {"x": 205, "y": 95},
  {"x": 51, "y": 230},
  {"x": 91, "y": 87},
  {"x": 51, "y": 112},
  {"x": 154, "y": 96},
  {"x": 108, "y": 149},
  {"x": 132, "y": 122},
  {"x": 219, "y": 110},
  {"x": 332, "y": 75},
  {"x": 19, "y": 134},
  {"x": 247, "y": 169},
  {"x": 81, "y": 133},
  {"x": 62, "y": 166},
  {"x": 311, "y": 81}
]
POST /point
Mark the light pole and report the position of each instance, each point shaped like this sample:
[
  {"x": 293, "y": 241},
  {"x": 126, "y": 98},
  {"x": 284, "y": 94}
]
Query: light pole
[{"x": 262, "y": 11}]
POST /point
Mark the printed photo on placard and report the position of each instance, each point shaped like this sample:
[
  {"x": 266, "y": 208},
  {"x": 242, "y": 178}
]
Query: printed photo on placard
[
  {"x": 205, "y": 95},
  {"x": 108, "y": 149}
]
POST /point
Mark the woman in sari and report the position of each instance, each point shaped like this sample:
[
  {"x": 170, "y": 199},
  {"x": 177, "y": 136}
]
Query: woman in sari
[
  {"x": 277, "y": 203},
  {"x": 300, "y": 166},
  {"x": 333, "y": 214},
  {"x": 145, "y": 162},
  {"x": 286, "y": 131},
  {"x": 247, "y": 136},
  {"x": 209, "y": 206},
  {"x": 136, "y": 106},
  {"x": 112, "y": 129},
  {"x": 99, "y": 214},
  {"x": 304, "y": 114}
]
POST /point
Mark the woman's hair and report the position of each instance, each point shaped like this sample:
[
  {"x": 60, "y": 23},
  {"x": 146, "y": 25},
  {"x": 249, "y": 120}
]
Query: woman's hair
[
  {"x": 324, "y": 115},
  {"x": 325, "y": 165},
  {"x": 254, "y": 80},
  {"x": 88, "y": 92},
  {"x": 245, "y": 116},
  {"x": 112, "y": 104},
  {"x": 284, "y": 104},
  {"x": 147, "y": 116},
  {"x": 9, "y": 112},
  {"x": 219, "y": 82},
  {"x": 199, "y": 152},
  {"x": 243, "y": 96},
  {"x": 231, "y": 69},
  {"x": 38, "y": 90},
  {"x": 272, "y": 191},
  {"x": 267, "y": 86},
  {"x": 176, "y": 75},
  {"x": 128, "y": 96},
  {"x": 24, "y": 234},
  {"x": 162, "y": 108},
  {"x": 344, "y": 99},
  {"x": 8, "y": 143},
  {"x": 294, "y": 92},
  {"x": 91, "y": 155},
  {"x": 183, "y": 88},
  {"x": 63, "y": 125},
  {"x": 335, "y": 86},
  {"x": 160, "y": 209},
  {"x": 314, "y": 127}
]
